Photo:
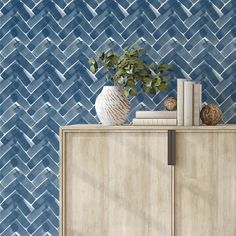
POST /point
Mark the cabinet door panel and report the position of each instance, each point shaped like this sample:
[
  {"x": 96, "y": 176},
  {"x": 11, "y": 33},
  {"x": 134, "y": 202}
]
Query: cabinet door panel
[
  {"x": 116, "y": 184},
  {"x": 205, "y": 184}
]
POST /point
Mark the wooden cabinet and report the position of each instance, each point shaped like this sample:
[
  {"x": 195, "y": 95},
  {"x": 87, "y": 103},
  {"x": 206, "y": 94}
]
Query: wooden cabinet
[
  {"x": 115, "y": 181},
  {"x": 205, "y": 183}
]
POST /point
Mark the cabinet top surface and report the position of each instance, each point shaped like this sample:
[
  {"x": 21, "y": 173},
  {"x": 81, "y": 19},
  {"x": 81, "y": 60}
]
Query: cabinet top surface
[{"x": 149, "y": 128}]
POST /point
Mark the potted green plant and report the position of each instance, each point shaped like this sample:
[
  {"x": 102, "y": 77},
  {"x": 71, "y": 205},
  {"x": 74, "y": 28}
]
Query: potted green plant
[{"x": 128, "y": 72}]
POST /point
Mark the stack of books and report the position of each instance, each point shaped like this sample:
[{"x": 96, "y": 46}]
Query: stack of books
[
  {"x": 189, "y": 105},
  {"x": 189, "y": 102},
  {"x": 155, "y": 118}
]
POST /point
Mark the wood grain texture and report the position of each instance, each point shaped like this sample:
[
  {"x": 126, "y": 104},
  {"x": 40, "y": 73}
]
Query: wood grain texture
[
  {"x": 116, "y": 184},
  {"x": 115, "y": 181},
  {"x": 155, "y": 128},
  {"x": 205, "y": 184}
]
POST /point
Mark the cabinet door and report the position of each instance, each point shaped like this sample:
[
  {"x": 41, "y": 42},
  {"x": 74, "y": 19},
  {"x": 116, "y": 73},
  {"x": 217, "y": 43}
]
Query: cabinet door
[
  {"x": 116, "y": 184},
  {"x": 205, "y": 184}
]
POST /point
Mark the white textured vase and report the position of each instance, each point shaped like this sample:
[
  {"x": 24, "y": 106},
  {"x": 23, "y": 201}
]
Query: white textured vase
[{"x": 112, "y": 106}]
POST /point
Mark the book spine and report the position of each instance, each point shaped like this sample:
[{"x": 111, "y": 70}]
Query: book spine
[
  {"x": 156, "y": 114},
  {"x": 180, "y": 102},
  {"x": 200, "y": 101},
  {"x": 188, "y": 103},
  {"x": 197, "y": 103},
  {"x": 154, "y": 122}
]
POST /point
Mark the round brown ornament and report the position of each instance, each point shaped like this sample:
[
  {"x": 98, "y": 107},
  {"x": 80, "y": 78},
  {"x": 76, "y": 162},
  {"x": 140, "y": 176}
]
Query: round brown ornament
[
  {"x": 211, "y": 114},
  {"x": 170, "y": 104}
]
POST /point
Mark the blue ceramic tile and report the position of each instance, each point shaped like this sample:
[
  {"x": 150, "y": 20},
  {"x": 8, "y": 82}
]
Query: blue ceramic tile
[{"x": 45, "y": 83}]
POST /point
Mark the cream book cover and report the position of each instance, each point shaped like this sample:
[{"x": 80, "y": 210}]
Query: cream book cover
[
  {"x": 188, "y": 103},
  {"x": 154, "y": 121},
  {"x": 197, "y": 101},
  {"x": 180, "y": 101},
  {"x": 156, "y": 114}
]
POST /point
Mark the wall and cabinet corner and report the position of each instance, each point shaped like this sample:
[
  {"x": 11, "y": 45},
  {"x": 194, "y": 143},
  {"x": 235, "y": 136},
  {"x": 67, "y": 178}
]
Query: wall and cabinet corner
[{"x": 125, "y": 181}]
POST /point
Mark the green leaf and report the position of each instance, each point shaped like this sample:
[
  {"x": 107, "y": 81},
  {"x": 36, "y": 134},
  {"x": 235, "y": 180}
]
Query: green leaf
[
  {"x": 153, "y": 66},
  {"x": 113, "y": 58},
  {"x": 145, "y": 89},
  {"x": 133, "y": 92},
  {"x": 157, "y": 83},
  {"x": 91, "y": 61},
  {"x": 164, "y": 67},
  {"x": 162, "y": 87},
  {"x": 121, "y": 80},
  {"x": 132, "y": 52},
  {"x": 94, "y": 68},
  {"x": 110, "y": 54},
  {"x": 144, "y": 73},
  {"x": 120, "y": 72},
  {"x": 107, "y": 77},
  {"x": 152, "y": 91},
  {"x": 130, "y": 83},
  {"x": 156, "y": 76},
  {"x": 103, "y": 56},
  {"x": 164, "y": 79},
  {"x": 104, "y": 61},
  {"x": 126, "y": 49},
  {"x": 147, "y": 80},
  {"x": 130, "y": 69},
  {"x": 138, "y": 77},
  {"x": 126, "y": 92}
]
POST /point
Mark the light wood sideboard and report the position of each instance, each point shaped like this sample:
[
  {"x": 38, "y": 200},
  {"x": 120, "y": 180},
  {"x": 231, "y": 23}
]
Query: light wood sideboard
[{"x": 120, "y": 181}]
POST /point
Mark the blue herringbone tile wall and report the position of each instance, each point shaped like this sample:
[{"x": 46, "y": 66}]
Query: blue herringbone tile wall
[{"x": 45, "y": 82}]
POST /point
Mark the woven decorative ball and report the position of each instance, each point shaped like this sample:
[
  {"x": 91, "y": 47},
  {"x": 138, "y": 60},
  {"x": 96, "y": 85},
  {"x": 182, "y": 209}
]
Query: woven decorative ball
[
  {"x": 170, "y": 104},
  {"x": 211, "y": 114}
]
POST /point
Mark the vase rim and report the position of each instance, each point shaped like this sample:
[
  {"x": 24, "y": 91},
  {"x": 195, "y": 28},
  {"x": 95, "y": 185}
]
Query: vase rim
[{"x": 111, "y": 87}]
